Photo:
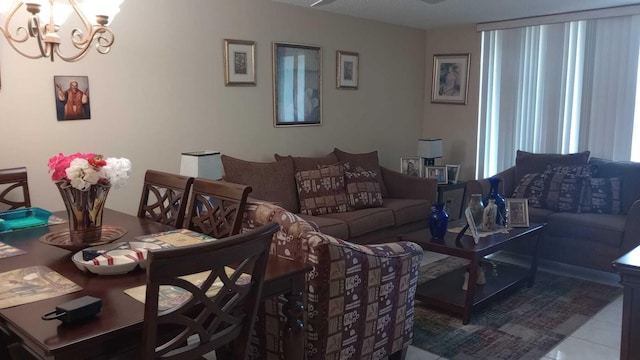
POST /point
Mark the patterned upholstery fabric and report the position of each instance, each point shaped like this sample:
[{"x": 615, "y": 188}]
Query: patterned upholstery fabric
[
  {"x": 563, "y": 191},
  {"x": 363, "y": 189},
  {"x": 582, "y": 170},
  {"x": 602, "y": 196},
  {"x": 366, "y": 161},
  {"x": 359, "y": 299},
  {"x": 321, "y": 191},
  {"x": 532, "y": 163},
  {"x": 532, "y": 187}
]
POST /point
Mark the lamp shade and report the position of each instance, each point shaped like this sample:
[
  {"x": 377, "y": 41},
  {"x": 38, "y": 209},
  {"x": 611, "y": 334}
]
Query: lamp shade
[
  {"x": 430, "y": 148},
  {"x": 203, "y": 164}
]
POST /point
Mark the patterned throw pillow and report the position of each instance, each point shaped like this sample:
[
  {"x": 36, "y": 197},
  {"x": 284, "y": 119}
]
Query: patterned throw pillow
[
  {"x": 581, "y": 170},
  {"x": 322, "y": 191},
  {"x": 532, "y": 187},
  {"x": 563, "y": 191},
  {"x": 602, "y": 196},
  {"x": 363, "y": 189}
]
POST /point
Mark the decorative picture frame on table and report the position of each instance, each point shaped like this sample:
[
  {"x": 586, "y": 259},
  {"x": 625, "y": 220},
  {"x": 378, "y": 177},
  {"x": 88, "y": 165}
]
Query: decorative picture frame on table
[
  {"x": 453, "y": 171},
  {"x": 412, "y": 166},
  {"x": 450, "y": 78},
  {"x": 239, "y": 62},
  {"x": 347, "y": 70},
  {"x": 468, "y": 215},
  {"x": 437, "y": 172},
  {"x": 72, "y": 97},
  {"x": 518, "y": 210},
  {"x": 297, "y": 84}
]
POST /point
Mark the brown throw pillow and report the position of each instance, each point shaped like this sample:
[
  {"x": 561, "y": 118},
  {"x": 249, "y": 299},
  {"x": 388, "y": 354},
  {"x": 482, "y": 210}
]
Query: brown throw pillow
[
  {"x": 309, "y": 163},
  {"x": 531, "y": 163},
  {"x": 602, "y": 196},
  {"x": 367, "y": 161},
  {"x": 321, "y": 191},
  {"x": 581, "y": 170},
  {"x": 363, "y": 189},
  {"x": 563, "y": 191},
  {"x": 270, "y": 181},
  {"x": 532, "y": 187}
]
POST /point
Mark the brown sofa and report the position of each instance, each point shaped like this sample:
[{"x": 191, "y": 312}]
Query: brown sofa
[
  {"x": 406, "y": 200},
  {"x": 602, "y": 229}
]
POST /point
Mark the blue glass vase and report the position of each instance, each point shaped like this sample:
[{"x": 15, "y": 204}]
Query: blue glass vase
[
  {"x": 438, "y": 221},
  {"x": 499, "y": 200}
]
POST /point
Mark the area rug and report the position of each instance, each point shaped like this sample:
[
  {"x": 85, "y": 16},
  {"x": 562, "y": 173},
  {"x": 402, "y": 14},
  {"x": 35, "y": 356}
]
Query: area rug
[{"x": 525, "y": 325}]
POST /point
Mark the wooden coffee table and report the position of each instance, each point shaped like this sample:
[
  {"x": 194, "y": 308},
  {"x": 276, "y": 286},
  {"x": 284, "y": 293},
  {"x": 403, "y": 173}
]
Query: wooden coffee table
[{"x": 446, "y": 291}]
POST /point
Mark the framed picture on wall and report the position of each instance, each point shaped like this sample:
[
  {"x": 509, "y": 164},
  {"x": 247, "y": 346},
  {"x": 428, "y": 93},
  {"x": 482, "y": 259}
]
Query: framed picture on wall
[
  {"x": 71, "y": 94},
  {"x": 239, "y": 62},
  {"x": 347, "y": 70},
  {"x": 450, "y": 79},
  {"x": 297, "y": 85},
  {"x": 411, "y": 165}
]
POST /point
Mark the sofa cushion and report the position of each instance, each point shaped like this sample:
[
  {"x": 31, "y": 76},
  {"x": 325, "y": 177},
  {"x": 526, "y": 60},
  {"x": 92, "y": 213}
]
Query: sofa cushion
[
  {"x": 408, "y": 210},
  {"x": 582, "y": 170},
  {"x": 532, "y": 187},
  {"x": 309, "y": 163},
  {"x": 531, "y": 163},
  {"x": 270, "y": 181},
  {"x": 365, "y": 220},
  {"x": 333, "y": 227},
  {"x": 604, "y": 229},
  {"x": 629, "y": 174},
  {"x": 539, "y": 215},
  {"x": 367, "y": 161},
  {"x": 563, "y": 192},
  {"x": 363, "y": 189},
  {"x": 602, "y": 195},
  {"x": 321, "y": 191}
]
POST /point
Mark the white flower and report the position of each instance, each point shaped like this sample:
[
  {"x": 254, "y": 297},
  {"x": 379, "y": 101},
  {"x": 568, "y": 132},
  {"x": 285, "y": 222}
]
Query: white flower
[{"x": 117, "y": 171}]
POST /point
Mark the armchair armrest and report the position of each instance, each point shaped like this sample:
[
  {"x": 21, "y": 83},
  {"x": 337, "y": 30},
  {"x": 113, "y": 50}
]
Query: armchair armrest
[
  {"x": 403, "y": 186},
  {"x": 631, "y": 229}
]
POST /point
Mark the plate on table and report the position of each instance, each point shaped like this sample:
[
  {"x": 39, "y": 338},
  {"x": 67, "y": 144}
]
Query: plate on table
[{"x": 113, "y": 259}]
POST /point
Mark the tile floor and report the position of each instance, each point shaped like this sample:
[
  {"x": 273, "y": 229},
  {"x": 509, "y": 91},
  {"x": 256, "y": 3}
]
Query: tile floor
[{"x": 598, "y": 339}]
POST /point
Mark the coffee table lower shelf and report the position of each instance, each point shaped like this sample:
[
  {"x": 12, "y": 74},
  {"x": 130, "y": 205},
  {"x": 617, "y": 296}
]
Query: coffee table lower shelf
[{"x": 446, "y": 292}]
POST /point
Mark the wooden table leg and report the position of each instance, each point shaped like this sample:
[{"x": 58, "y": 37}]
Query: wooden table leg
[
  {"x": 294, "y": 339},
  {"x": 534, "y": 262},
  {"x": 471, "y": 290}
]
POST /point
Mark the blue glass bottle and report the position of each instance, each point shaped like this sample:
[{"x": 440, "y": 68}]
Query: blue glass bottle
[
  {"x": 499, "y": 200},
  {"x": 438, "y": 221}
]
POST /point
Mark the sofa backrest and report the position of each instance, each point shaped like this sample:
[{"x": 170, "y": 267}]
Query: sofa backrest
[
  {"x": 629, "y": 174},
  {"x": 531, "y": 163}
]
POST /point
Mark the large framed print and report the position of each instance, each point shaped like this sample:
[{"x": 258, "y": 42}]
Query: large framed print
[
  {"x": 239, "y": 62},
  {"x": 450, "y": 79},
  {"x": 297, "y": 84}
]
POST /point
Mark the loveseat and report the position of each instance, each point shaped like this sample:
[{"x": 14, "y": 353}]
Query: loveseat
[
  {"x": 591, "y": 205},
  {"x": 359, "y": 299},
  {"x": 356, "y": 199}
]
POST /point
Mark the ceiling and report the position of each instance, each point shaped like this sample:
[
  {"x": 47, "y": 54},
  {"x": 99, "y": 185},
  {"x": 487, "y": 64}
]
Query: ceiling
[{"x": 421, "y": 15}]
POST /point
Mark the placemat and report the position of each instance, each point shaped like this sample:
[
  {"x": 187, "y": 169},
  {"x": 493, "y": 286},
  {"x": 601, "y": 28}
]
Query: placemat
[
  {"x": 8, "y": 251},
  {"x": 178, "y": 237},
  {"x": 32, "y": 284}
]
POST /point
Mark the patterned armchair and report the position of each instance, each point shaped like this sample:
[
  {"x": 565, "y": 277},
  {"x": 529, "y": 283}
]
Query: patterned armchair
[{"x": 358, "y": 299}]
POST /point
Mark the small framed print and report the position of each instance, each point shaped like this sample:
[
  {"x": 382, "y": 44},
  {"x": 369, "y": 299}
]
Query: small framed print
[
  {"x": 239, "y": 63},
  {"x": 347, "y": 70},
  {"x": 452, "y": 173},
  {"x": 437, "y": 172},
  {"x": 472, "y": 225},
  {"x": 411, "y": 165},
  {"x": 518, "y": 210},
  {"x": 72, "y": 97}
]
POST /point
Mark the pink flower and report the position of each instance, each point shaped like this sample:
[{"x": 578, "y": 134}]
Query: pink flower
[{"x": 82, "y": 170}]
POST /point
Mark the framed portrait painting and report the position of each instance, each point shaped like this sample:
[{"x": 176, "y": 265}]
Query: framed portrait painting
[
  {"x": 239, "y": 63},
  {"x": 297, "y": 85},
  {"x": 347, "y": 70},
  {"x": 411, "y": 165},
  {"x": 450, "y": 79},
  {"x": 71, "y": 94}
]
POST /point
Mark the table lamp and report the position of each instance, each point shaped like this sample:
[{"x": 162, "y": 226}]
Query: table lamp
[
  {"x": 429, "y": 149},
  {"x": 203, "y": 164}
]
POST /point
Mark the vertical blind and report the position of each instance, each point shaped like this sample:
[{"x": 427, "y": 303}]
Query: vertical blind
[{"x": 558, "y": 88}]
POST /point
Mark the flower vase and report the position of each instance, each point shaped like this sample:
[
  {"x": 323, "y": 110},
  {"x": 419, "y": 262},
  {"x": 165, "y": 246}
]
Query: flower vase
[
  {"x": 477, "y": 209},
  {"x": 438, "y": 221},
  {"x": 499, "y": 200},
  {"x": 85, "y": 209}
]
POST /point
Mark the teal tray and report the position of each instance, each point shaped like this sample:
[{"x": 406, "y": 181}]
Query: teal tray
[{"x": 23, "y": 218}]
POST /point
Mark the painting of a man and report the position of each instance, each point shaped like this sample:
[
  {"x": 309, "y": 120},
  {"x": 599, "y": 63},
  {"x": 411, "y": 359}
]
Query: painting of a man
[{"x": 72, "y": 97}]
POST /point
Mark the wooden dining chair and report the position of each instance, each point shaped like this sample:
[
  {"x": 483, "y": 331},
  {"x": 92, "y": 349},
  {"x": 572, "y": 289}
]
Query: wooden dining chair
[
  {"x": 217, "y": 311},
  {"x": 164, "y": 197},
  {"x": 216, "y": 207},
  {"x": 11, "y": 181}
]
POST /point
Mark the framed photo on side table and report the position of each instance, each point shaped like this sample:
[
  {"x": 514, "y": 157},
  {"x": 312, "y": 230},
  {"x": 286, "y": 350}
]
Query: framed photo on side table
[
  {"x": 437, "y": 172},
  {"x": 472, "y": 225},
  {"x": 450, "y": 79},
  {"x": 411, "y": 165},
  {"x": 239, "y": 63},
  {"x": 518, "y": 210},
  {"x": 347, "y": 70},
  {"x": 452, "y": 173}
]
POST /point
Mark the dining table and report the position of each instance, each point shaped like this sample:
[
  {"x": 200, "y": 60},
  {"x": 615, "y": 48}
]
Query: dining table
[{"x": 119, "y": 323}]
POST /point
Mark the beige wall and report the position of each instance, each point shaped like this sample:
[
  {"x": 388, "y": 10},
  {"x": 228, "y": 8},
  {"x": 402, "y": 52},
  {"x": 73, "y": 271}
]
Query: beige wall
[
  {"x": 457, "y": 125},
  {"x": 161, "y": 92}
]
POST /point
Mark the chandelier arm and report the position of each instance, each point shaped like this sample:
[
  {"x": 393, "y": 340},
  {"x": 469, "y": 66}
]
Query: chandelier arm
[{"x": 77, "y": 35}]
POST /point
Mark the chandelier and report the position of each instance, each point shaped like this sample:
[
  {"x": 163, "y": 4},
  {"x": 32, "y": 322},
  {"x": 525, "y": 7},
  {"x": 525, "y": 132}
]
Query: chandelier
[{"x": 44, "y": 19}]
